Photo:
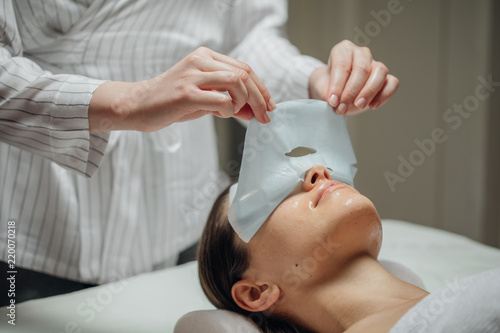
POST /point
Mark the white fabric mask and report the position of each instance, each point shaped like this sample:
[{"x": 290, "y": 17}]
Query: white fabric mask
[{"x": 276, "y": 156}]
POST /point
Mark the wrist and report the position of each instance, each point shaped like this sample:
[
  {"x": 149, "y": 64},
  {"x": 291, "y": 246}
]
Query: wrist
[
  {"x": 111, "y": 107},
  {"x": 316, "y": 88}
]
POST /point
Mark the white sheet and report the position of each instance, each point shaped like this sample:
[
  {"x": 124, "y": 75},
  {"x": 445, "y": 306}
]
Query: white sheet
[{"x": 153, "y": 302}]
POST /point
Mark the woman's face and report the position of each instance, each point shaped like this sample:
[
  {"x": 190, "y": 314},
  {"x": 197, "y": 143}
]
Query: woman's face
[{"x": 319, "y": 227}]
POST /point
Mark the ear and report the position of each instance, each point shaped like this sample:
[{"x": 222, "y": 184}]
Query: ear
[{"x": 255, "y": 297}]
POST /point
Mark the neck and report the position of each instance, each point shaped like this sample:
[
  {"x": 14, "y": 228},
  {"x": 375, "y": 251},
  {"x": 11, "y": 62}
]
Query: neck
[{"x": 361, "y": 291}]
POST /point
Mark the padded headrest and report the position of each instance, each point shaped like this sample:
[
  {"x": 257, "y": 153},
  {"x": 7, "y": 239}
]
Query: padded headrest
[{"x": 215, "y": 321}]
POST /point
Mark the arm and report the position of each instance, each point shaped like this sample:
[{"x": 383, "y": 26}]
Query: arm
[
  {"x": 188, "y": 90},
  {"x": 43, "y": 113},
  {"x": 58, "y": 116},
  {"x": 351, "y": 79}
]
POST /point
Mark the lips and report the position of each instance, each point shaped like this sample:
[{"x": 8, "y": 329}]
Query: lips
[{"x": 328, "y": 187}]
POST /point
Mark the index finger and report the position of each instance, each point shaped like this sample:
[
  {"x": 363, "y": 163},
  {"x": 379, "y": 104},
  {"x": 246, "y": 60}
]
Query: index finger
[
  {"x": 340, "y": 64},
  {"x": 256, "y": 80}
]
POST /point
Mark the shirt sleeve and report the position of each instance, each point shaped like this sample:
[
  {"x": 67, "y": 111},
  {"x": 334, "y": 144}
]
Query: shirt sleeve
[
  {"x": 43, "y": 113},
  {"x": 258, "y": 31}
]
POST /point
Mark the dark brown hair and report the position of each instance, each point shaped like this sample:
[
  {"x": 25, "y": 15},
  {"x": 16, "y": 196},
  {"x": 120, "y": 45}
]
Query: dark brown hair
[{"x": 222, "y": 260}]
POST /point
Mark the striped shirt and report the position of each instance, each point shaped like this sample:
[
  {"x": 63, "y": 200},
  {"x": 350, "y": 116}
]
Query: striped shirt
[{"x": 99, "y": 207}]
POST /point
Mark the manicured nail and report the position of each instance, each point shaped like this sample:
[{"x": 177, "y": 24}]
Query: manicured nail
[
  {"x": 272, "y": 104},
  {"x": 374, "y": 105},
  {"x": 334, "y": 100},
  {"x": 266, "y": 117},
  {"x": 342, "y": 108},
  {"x": 360, "y": 103}
]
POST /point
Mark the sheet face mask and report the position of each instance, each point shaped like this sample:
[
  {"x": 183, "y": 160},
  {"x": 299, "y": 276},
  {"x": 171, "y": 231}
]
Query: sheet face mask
[{"x": 276, "y": 156}]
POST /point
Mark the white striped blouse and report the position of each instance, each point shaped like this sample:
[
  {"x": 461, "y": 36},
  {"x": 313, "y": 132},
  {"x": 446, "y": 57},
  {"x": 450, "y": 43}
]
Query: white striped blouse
[{"x": 96, "y": 208}]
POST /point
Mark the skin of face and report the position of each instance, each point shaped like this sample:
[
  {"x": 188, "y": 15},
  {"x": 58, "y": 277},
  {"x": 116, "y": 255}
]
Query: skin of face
[{"x": 313, "y": 233}]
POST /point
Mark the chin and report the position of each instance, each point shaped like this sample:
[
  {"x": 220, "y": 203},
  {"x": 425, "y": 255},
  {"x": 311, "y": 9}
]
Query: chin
[
  {"x": 356, "y": 224},
  {"x": 370, "y": 226}
]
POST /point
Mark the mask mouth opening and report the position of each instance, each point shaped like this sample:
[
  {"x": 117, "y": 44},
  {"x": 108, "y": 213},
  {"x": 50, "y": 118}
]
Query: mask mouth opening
[{"x": 300, "y": 151}]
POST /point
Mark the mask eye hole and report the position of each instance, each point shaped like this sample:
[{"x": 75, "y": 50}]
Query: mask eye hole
[{"x": 300, "y": 151}]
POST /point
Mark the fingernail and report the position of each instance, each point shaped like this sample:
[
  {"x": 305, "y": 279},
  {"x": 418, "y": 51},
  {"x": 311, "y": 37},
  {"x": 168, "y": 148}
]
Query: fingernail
[
  {"x": 342, "y": 108},
  {"x": 374, "y": 105},
  {"x": 266, "y": 117},
  {"x": 272, "y": 104},
  {"x": 334, "y": 100},
  {"x": 360, "y": 103}
]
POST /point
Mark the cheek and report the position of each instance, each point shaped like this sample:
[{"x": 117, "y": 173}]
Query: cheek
[
  {"x": 288, "y": 230},
  {"x": 298, "y": 232},
  {"x": 296, "y": 223}
]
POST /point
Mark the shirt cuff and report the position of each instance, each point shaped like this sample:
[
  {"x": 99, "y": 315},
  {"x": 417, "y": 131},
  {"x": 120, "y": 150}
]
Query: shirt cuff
[{"x": 83, "y": 151}]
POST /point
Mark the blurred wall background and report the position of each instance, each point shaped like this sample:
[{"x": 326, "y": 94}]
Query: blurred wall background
[{"x": 431, "y": 155}]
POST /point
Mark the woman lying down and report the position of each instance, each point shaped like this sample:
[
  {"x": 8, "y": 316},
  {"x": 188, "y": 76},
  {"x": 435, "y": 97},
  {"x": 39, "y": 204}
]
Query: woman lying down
[{"x": 312, "y": 267}]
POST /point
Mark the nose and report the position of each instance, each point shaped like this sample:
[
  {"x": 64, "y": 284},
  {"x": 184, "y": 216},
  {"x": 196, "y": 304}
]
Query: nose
[{"x": 314, "y": 176}]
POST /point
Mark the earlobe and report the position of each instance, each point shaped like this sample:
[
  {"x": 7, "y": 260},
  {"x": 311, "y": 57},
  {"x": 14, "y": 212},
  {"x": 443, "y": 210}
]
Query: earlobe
[{"x": 255, "y": 297}]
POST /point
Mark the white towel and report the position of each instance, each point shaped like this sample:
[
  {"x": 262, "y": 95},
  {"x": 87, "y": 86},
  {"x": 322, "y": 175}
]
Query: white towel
[{"x": 471, "y": 304}]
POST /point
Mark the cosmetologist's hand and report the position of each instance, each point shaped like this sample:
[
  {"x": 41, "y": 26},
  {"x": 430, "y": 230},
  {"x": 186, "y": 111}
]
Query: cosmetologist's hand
[
  {"x": 352, "y": 82},
  {"x": 188, "y": 90}
]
